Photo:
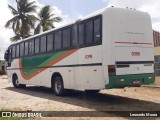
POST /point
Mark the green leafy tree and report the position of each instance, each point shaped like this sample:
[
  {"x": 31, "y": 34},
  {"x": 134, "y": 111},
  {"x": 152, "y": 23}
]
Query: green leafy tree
[
  {"x": 46, "y": 18},
  {"x": 23, "y": 21}
]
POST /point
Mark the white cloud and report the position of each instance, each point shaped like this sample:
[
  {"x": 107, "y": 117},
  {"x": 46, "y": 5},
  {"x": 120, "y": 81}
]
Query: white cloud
[
  {"x": 5, "y": 34},
  {"x": 68, "y": 19},
  {"x": 58, "y": 12},
  {"x": 65, "y": 17},
  {"x": 150, "y": 6},
  {"x": 5, "y": 15}
]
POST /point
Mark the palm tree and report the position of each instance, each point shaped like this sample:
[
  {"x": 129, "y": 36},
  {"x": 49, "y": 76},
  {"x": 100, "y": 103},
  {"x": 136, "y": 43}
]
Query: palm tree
[
  {"x": 46, "y": 19},
  {"x": 23, "y": 21}
]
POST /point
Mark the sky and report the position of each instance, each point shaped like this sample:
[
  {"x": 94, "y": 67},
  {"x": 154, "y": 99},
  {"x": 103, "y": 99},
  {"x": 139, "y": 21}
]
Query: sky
[{"x": 71, "y": 10}]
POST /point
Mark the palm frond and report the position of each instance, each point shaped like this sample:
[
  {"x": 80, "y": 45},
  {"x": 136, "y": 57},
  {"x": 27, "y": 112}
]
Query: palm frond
[
  {"x": 51, "y": 15},
  {"x": 23, "y": 22},
  {"x": 47, "y": 19},
  {"x": 31, "y": 7},
  {"x": 14, "y": 11},
  {"x": 17, "y": 29},
  {"x": 31, "y": 19},
  {"x": 45, "y": 12},
  {"x": 56, "y": 19},
  {"x": 37, "y": 29},
  {"x": 49, "y": 25},
  {"x": 11, "y": 21},
  {"x": 15, "y": 38}
]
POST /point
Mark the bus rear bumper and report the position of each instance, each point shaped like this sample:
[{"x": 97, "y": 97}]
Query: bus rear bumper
[{"x": 137, "y": 80}]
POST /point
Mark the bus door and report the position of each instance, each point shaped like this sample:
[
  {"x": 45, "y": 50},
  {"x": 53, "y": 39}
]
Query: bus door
[{"x": 71, "y": 71}]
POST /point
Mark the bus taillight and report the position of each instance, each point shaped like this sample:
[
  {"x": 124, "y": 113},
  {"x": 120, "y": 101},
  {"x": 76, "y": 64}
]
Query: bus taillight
[
  {"x": 112, "y": 69},
  {"x": 151, "y": 77}
]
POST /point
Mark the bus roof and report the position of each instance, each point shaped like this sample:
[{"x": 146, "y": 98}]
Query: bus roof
[
  {"x": 98, "y": 12},
  {"x": 62, "y": 26}
]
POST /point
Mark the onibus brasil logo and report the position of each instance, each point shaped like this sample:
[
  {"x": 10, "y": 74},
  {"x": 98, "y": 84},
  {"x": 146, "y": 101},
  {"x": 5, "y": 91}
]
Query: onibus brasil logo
[{"x": 21, "y": 114}]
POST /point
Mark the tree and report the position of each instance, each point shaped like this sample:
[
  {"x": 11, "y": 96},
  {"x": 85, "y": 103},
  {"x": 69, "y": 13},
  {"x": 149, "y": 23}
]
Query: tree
[
  {"x": 22, "y": 21},
  {"x": 46, "y": 18}
]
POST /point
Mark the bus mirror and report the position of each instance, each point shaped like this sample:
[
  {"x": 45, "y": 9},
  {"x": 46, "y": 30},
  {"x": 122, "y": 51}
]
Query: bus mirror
[{"x": 6, "y": 55}]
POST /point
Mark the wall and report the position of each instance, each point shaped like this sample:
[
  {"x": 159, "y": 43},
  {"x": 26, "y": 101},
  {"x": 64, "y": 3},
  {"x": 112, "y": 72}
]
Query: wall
[{"x": 156, "y": 37}]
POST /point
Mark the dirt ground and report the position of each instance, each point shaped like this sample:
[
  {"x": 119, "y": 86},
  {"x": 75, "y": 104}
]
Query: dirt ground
[{"x": 42, "y": 99}]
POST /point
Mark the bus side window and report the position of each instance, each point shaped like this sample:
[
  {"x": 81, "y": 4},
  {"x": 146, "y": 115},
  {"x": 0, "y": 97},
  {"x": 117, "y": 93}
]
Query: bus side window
[
  {"x": 10, "y": 53},
  {"x": 74, "y": 35},
  {"x": 81, "y": 34},
  {"x": 31, "y": 47},
  {"x": 13, "y": 52},
  {"x": 66, "y": 38},
  {"x": 26, "y": 48},
  {"x": 17, "y": 50},
  {"x": 49, "y": 42},
  {"x": 58, "y": 40},
  {"x": 21, "y": 49},
  {"x": 89, "y": 32},
  {"x": 43, "y": 44},
  {"x": 97, "y": 31},
  {"x": 37, "y": 45}
]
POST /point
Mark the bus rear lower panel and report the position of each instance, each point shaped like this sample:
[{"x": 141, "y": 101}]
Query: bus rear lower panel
[{"x": 121, "y": 81}]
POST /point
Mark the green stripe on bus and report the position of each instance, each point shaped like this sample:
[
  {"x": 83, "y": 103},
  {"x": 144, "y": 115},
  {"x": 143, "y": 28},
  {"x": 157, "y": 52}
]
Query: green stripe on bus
[
  {"x": 127, "y": 80},
  {"x": 38, "y": 61}
]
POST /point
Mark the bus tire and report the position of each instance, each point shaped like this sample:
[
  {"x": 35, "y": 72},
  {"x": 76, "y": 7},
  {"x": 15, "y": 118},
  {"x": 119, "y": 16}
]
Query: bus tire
[
  {"x": 58, "y": 86},
  {"x": 16, "y": 83}
]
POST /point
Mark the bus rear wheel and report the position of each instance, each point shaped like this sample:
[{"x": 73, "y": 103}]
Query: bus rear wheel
[
  {"x": 16, "y": 84},
  {"x": 58, "y": 86}
]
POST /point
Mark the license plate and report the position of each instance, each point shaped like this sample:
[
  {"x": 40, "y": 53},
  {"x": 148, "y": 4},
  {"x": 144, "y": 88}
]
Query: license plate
[{"x": 136, "y": 82}]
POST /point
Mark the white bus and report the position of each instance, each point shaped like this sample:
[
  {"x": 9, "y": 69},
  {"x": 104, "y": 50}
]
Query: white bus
[{"x": 110, "y": 48}]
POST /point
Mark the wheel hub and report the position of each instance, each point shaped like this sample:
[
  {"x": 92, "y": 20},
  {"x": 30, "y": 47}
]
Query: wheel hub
[
  {"x": 58, "y": 86},
  {"x": 17, "y": 82}
]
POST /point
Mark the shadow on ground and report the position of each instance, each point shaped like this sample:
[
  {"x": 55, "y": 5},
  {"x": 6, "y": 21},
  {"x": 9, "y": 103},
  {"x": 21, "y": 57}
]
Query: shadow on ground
[{"x": 98, "y": 102}]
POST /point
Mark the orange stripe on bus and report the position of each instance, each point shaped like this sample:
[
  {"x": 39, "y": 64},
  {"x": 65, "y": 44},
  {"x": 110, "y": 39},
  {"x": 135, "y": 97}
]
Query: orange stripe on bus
[{"x": 42, "y": 69}]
